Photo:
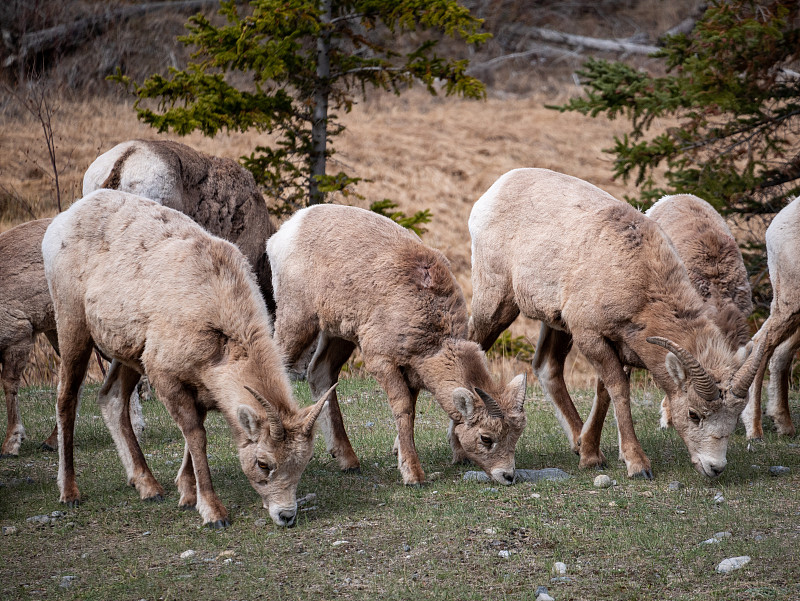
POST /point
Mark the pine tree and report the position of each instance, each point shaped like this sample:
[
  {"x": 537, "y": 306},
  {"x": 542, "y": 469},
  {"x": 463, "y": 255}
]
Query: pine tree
[
  {"x": 304, "y": 59},
  {"x": 732, "y": 86}
]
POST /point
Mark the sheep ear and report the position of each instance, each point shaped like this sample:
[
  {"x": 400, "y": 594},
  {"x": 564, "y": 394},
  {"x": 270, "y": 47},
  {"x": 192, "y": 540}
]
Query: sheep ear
[
  {"x": 464, "y": 404},
  {"x": 248, "y": 420},
  {"x": 675, "y": 369}
]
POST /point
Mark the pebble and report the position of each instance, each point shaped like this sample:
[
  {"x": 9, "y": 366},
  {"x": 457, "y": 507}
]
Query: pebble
[
  {"x": 549, "y": 473},
  {"x": 369, "y": 424},
  {"x": 260, "y": 522},
  {"x": 675, "y": 485},
  {"x": 490, "y": 531},
  {"x": 602, "y": 481},
  {"x": 732, "y": 563},
  {"x": 559, "y": 568},
  {"x": 66, "y": 581},
  {"x": 188, "y": 554},
  {"x": 544, "y": 597},
  {"x": 339, "y": 543},
  {"x": 39, "y": 519},
  {"x": 406, "y": 547},
  {"x": 560, "y": 580},
  {"x": 779, "y": 470},
  {"x": 718, "y": 498},
  {"x": 540, "y": 590},
  {"x": 312, "y": 496},
  {"x": 505, "y": 554},
  {"x": 9, "y": 530}
]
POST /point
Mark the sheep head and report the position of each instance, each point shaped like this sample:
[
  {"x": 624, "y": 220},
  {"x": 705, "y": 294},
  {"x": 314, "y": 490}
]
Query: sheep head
[
  {"x": 274, "y": 453},
  {"x": 704, "y": 408},
  {"x": 486, "y": 429}
]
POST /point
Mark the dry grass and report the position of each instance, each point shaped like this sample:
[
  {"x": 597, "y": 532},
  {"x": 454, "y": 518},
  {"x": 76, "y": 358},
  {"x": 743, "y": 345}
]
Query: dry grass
[{"x": 421, "y": 151}]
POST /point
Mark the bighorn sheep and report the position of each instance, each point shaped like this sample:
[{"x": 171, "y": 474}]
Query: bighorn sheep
[
  {"x": 26, "y": 309},
  {"x": 216, "y": 192},
  {"x": 352, "y": 277},
  {"x": 708, "y": 250},
  {"x": 782, "y": 327},
  {"x": 600, "y": 274},
  {"x": 161, "y": 296}
]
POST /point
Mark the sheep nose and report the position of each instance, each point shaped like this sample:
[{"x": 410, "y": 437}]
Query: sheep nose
[
  {"x": 508, "y": 477},
  {"x": 289, "y": 518},
  {"x": 717, "y": 469}
]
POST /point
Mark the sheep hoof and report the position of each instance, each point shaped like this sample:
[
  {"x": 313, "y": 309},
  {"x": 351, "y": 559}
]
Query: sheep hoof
[
  {"x": 417, "y": 484},
  {"x": 8, "y": 455},
  {"x": 188, "y": 507},
  {"x": 47, "y": 447},
  {"x": 351, "y": 470},
  {"x": 72, "y": 504},
  {"x": 156, "y": 498},
  {"x": 646, "y": 474},
  {"x": 219, "y": 524}
]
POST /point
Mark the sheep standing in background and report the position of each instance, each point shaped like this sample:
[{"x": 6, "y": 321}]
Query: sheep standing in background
[
  {"x": 601, "y": 275},
  {"x": 346, "y": 277},
  {"x": 709, "y": 252},
  {"x": 159, "y": 295},
  {"x": 782, "y": 327},
  {"x": 216, "y": 192}
]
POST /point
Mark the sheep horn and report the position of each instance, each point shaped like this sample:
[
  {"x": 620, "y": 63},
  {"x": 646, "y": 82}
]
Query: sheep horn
[
  {"x": 276, "y": 429},
  {"x": 743, "y": 378},
  {"x": 520, "y": 400},
  {"x": 704, "y": 384},
  {"x": 491, "y": 405},
  {"x": 314, "y": 413}
]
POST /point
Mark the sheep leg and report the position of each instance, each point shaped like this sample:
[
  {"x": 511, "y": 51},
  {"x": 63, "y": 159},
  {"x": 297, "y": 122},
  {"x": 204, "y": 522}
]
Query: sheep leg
[
  {"x": 591, "y": 455},
  {"x": 183, "y": 407},
  {"x": 186, "y": 482},
  {"x": 492, "y": 313},
  {"x": 51, "y": 442},
  {"x": 605, "y": 360},
  {"x": 548, "y": 365},
  {"x": 323, "y": 371},
  {"x": 13, "y": 361},
  {"x": 74, "y": 362},
  {"x": 402, "y": 400},
  {"x": 778, "y": 388},
  {"x": 114, "y": 401}
]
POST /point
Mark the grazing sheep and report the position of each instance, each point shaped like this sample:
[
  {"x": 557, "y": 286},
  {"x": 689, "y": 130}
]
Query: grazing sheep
[
  {"x": 160, "y": 296},
  {"x": 709, "y": 252},
  {"x": 601, "y": 275},
  {"x": 355, "y": 278},
  {"x": 216, "y": 192},
  {"x": 782, "y": 327}
]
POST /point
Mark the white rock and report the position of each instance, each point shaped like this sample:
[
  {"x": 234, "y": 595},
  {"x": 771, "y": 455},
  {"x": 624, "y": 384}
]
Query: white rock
[
  {"x": 559, "y": 568},
  {"x": 732, "y": 563},
  {"x": 188, "y": 554},
  {"x": 338, "y": 543},
  {"x": 504, "y": 554},
  {"x": 603, "y": 481},
  {"x": 544, "y": 597}
]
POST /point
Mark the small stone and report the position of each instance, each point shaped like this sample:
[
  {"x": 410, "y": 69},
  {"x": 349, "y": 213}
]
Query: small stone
[
  {"x": 339, "y": 543},
  {"x": 227, "y": 554},
  {"x": 188, "y": 554},
  {"x": 66, "y": 581},
  {"x": 432, "y": 477},
  {"x": 732, "y": 563},
  {"x": 369, "y": 424},
  {"x": 721, "y": 535},
  {"x": 536, "y": 495},
  {"x": 57, "y": 514},
  {"x": 718, "y": 498},
  {"x": 549, "y": 473},
  {"x": 560, "y": 580},
  {"x": 260, "y": 523},
  {"x": 505, "y": 554},
  {"x": 406, "y": 548},
  {"x": 779, "y": 470},
  {"x": 559, "y": 568},
  {"x": 710, "y": 541},
  {"x": 544, "y": 597},
  {"x": 602, "y": 481},
  {"x": 39, "y": 519},
  {"x": 647, "y": 493},
  {"x": 490, "y": 531},
  {"x": 307, "y": 499},
  {"x": 675, "y": 485},
  {"x": 146, "y": 533},
  {"x": 540, "y": 590},
  {"x": 9, "y": 530}
]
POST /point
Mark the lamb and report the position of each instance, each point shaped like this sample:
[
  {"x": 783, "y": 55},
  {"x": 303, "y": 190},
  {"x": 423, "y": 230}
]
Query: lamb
[
  {"x": 782, "y": 327},
  {"x": 160, "y": 296},
  {"x": 708, "y": 250},
  {"x": 601, "y": 275},
  {"x": 216, "y": 192},
  {"x": 26, "y": 309},
  {"x": 355, "y": 278}
]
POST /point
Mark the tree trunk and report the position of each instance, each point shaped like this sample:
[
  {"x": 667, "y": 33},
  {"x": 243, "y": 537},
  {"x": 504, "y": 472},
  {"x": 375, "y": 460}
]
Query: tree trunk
[{"x": 319, "y": 122}]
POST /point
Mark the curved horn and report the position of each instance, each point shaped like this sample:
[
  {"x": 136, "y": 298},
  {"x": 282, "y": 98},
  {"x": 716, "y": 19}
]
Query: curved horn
[
  {"x": 491, "y": 405},
  {"x": 519, "y": 401},
  {"x": 316, "y": 409},
  {"x": 742, "y": 379},
  {"x": 704, "y": 384},
  {"x": 276, "y": 429}
]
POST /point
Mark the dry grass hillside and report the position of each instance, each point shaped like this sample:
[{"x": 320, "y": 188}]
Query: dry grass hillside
[{"x": 421, "y": 151}]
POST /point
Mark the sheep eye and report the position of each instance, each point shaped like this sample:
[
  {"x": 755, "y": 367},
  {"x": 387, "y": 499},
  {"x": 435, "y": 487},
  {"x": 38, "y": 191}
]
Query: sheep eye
[
  {"x": 694, "y": 416},
  {"x": 486, "y": 440},
  {"x": 264, "y": 466}
]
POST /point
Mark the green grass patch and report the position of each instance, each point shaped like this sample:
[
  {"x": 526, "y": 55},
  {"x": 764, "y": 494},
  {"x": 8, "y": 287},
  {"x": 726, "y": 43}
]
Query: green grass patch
[{"x": 366, "y": 536}]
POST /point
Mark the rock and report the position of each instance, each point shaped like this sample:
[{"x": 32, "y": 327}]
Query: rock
[
  {"x": 66, "y": 581},
  {"x": 675, "y": 485},
  {"x": 227, "y": 555},
  {"x": 260, "y": 523},
  {"x": 188, "y": 554},
  {"x": 779, "y": 470},
  {"x": 490, "y": 531},
  {"x": 602, "y": 481},
  {"x": 504, "y": 554},
  {"x": 540, "y": 590},
  {"x": 307, "y": 499},
  {"x": 718, "y": 498},
  {"x": 716, "y": 538},
  {"x": 39, "y": 519},
  {"x": 339, "y": 543},
  {"x": 560, "y": 580},
  {"x": 559, "y": 568},
  {"x": 9, "y": 530},
  {"x": 406, "y": 547},
  {"x": 548, "y": 473},
  {"x": 732, "y": 563},
  {"x": 544, "y": 597}
]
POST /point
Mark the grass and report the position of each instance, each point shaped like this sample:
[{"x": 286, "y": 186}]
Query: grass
[{"x": 636, "y": 540}]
